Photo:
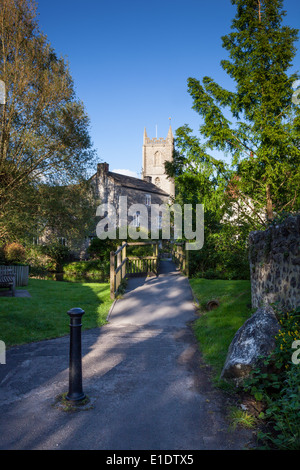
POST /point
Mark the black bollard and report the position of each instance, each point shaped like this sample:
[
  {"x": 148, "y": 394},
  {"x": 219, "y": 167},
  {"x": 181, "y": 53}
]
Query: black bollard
[{"x": 75, "y": 371}]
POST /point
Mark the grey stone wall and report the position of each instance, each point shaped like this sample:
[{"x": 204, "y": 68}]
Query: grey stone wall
[{"x": 275, "y": 264}]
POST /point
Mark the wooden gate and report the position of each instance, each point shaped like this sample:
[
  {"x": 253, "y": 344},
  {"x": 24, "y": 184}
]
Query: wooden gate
[{"x": 122, "y": 266}]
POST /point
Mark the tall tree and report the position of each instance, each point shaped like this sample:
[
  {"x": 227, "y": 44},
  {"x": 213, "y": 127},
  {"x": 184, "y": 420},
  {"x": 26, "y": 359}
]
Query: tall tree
[
  {"x": 257, "y": 123},
  {"x": 44, "y": 129}
]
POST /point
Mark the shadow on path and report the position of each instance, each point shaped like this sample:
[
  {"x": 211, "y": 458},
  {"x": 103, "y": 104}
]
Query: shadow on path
[{"x": 147, "y": 384}]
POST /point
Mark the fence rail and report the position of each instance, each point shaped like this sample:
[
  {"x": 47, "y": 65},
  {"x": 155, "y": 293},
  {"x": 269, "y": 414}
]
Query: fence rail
[
  {"x": 122, "y": 266},
  {"x": 180, "y": 257}
]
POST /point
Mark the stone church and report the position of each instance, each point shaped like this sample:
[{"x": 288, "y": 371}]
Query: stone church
[{"x": 154, "y": 188}]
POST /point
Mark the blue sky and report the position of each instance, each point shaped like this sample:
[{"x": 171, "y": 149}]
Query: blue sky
[{"x": 130, "y": 61}]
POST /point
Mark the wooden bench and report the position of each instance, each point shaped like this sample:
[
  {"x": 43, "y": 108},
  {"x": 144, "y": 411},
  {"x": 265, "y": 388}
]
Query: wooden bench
[{"x": 8, "y": 279}]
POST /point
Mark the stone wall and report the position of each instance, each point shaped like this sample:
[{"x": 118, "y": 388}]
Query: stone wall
[{"x": 275, "y": 264}]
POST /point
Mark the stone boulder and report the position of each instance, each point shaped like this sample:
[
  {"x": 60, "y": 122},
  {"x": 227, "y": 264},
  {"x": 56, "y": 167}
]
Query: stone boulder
[{"x": 254, "y": 339}]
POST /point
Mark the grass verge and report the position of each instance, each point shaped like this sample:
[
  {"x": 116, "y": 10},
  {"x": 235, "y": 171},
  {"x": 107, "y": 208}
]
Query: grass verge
[
  {"x": 215, "y": 329},
  {"x": 44, "y": 315}
]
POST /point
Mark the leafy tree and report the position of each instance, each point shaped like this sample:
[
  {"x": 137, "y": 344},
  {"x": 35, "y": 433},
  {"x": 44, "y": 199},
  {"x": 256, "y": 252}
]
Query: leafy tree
[
  {"x": 262, "y": 135},
  {"x": 44, "y": 135},
  {"x": 65, "y": 211}
]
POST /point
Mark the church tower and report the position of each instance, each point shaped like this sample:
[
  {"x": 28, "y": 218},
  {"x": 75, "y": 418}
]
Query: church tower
[{"x": 155, "y": 153}]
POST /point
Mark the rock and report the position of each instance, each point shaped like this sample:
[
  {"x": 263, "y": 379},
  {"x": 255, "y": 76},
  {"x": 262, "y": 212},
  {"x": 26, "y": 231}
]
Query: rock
[{"x": 254, "y": 339}]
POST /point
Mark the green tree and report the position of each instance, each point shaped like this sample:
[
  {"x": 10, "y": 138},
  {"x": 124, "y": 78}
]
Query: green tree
[
  {"x": 257, "y": 124},
  {"x": 44, "y": 130}
]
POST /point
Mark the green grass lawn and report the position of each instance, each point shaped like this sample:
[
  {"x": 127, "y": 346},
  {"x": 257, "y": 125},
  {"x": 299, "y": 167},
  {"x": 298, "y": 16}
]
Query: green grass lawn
[
  {"x": 216, "y": 329},
  {"x": 44, "y": 315}
]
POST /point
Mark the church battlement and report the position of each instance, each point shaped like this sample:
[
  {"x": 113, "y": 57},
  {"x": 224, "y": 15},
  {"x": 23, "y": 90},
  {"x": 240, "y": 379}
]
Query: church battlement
[
  {"x": 159, "y": 141},
  {"x": 155, "y": 141}
]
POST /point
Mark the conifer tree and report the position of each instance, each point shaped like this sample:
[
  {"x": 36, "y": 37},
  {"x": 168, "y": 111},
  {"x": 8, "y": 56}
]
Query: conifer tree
[{"x": 258, "y": 123}]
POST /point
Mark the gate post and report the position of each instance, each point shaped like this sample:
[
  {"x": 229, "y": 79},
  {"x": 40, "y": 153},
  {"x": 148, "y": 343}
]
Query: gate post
[{"x": 112, "y": 275}]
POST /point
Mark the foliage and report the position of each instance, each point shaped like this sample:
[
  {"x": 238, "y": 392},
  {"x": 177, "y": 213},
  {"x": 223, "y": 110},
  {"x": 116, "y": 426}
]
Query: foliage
[
  {"x": 242, "y": 418},
  {"x": 92, "y": 267},
  {"x": 14, "y": 253},
  {"x": 224, "y": 254},
  {"x": 100, "y": 249},
  {"x": 44, "y": 138},
  {"x": 255, "y": 123},
  {"x": 66, "y": 211},
  {"x": 262, "y": 134},
  {"x": 56, "y": 252},
  {"x": 38, "y": 260},
  {"x": 276, "y": 381}
]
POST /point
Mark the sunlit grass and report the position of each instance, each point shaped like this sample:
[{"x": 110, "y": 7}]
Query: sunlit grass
[
  {"x": 44, "y": 315},
  {"x": 241, "y": 418},
  {"x": 215, "y": 329}
]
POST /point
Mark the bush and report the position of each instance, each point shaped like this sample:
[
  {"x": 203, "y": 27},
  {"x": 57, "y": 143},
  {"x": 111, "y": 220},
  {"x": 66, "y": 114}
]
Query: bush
[
  {"x": 57, "y": 253},
  {"x": 39, "y": 262},
  {"x": 100, "y": 249},
  {"x": 276, "y": 382},
  {"x": 14, "y": 253},
  {"x": 284, "y": 413},
  {"x": 84, "y": 268}
]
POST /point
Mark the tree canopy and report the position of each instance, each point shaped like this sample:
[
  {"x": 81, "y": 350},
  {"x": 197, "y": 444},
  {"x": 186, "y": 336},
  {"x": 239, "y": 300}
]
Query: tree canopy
[
  {"x": 44, "y": 129},
  {"x": 257, "y": 123}
]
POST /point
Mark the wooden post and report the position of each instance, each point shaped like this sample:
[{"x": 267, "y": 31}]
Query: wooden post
[
  {"x": 124, "y": 268},
  {"x": 112, "y": 275},
  {"x": 118, "y": 275},
  {"x": 183, "y": 252},
  {"x": 187, "y": 263},
  {"x": 156, "y": 258}
]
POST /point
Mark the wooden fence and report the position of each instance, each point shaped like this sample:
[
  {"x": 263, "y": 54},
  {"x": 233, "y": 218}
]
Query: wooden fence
[
  {"x": 122, "y": 266},
  {"x": 180, "y": 257},
  {"x": 21, "y": 274}
]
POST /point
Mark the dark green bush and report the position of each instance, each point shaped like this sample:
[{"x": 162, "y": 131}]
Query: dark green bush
[
  {"x": 95, "y": 268},
  {"x": 57, "y": 253},
  {"x": 276, "y": 381}
]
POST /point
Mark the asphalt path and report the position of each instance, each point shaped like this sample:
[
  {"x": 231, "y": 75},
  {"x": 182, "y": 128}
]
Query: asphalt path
[{"x": 147, "y": 385}]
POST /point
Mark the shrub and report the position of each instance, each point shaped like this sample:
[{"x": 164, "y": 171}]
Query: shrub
[
  {"x": 84, "y": 268},
  {"x": 39, "y": 262},
  {"x": 100, "y": 249},
  {"x": 276, "y": 382},
  {"x": 15, "y": 253},
  {"x": 284, "y": 413},
  {"x": 57, "y": 253}
]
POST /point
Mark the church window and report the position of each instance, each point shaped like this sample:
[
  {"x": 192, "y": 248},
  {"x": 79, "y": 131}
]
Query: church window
[
  {"x": 148, "y": 200},
  {"x": 136, "y": 220},
  {"x": 157, "y": 159},
  {"x": 157, "y": 182}
]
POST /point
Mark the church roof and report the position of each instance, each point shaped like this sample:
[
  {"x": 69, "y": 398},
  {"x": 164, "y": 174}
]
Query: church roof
[{"x": 136, "y": 183}]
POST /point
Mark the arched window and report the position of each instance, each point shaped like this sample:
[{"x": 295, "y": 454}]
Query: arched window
[
  {"x": 136, "y": 219},
  {"x": 157, "y": 181},
  {"x": 157, "y": 159}
]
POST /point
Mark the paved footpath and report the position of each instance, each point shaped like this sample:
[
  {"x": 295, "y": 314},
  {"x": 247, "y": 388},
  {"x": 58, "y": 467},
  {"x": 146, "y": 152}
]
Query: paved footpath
[{"x": 147, "y": 384}]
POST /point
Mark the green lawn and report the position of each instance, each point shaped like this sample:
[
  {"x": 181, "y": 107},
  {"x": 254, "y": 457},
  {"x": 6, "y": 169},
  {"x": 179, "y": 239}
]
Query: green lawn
[
  {"x": 44, "y": 315},
  {"x": 216, "y": 329}
]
